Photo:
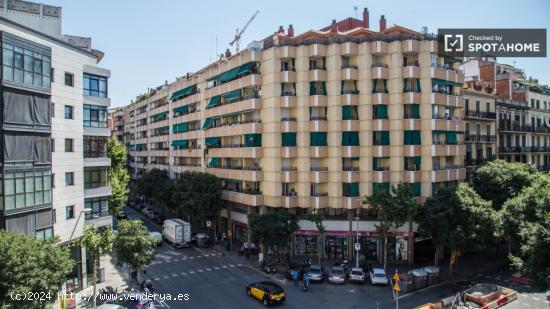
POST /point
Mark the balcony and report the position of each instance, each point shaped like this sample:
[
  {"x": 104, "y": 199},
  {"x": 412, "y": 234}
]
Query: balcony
[
  {"x": 446, "y": 167},
  {"x": 318, "y": 174},
  {"x": 98, "y": 219},
  {"x": 319, "y": 200},
  {"x": 474, "y": 163},
  {"x": 448, "y": 175},
  {"x": 97, "y": 161},
  {"x": 349, "y": 125},
  {"x": 452, "y": 100},
  {"x": 250, "y": 198},
  {"x": 318, "y": 124},
  {"x": 253, "y": 174},
  {"x": 318, "y": 100},
  {"x": 379, "y": 71},
  {"x": 289, "y": 201},
  {"x": 318, "y": 74},
  {"x": 97, "y": 191},
  {"x": 236, "y": 151},
  {"x": 349, "y": 49},
  {"x": 513, "y": 127},
  {"x": 480, "y": 138},
  {"x": 288, "y": 124},
  {"x": 318, "y": 151},
  {"x": 445, "y": 72},
  {"x": 411, "y": 97},
  {"x": 349, "y": 99},
  {"x": 351, "y": 174},
  {"x": 351, "y": 202},
  {"x": 288, "y": 100},
  {"x": 349, "y": 72},
  {"x": 410, "y": 46},
  {"x": 317, "y": 50},
  {"x": 350, "y": 151},
  {"x": 288, "y": 152},
  {"x": 410, "y": 72},
  {"x": 380, "y": 98},
  {"x": 244, "y": 127},
  {"x": 243, "y": 103},
  {"x": 381, "y": 174},
  {"x": 480, "y": 115},
  {"x": 289, "y": 174},
  {"x": 379, "y": 47},
  {"x": 288, "y": 76}
]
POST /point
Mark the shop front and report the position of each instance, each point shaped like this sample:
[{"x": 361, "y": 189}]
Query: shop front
[
  {"x": 372, "y": 247},
  {"x": 240, "y": 231},
  {"x": 305, "y": 243},
  {"x": 336, "y": 245}
]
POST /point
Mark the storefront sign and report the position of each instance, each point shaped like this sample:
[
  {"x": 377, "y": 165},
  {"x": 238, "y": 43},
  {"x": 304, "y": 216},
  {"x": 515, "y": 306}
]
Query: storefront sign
[
  {"x": 240, "y": 224},
  {"x": 306, "y": 232}
]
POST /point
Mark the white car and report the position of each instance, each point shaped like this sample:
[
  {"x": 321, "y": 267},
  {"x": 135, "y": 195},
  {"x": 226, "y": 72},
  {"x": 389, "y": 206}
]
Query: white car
[
  {"x": 378, "y": 276},
  {"x": 157, "y": 236},
  {"x": 357, "y": 275},
  {"x": 337, "y": 274}
]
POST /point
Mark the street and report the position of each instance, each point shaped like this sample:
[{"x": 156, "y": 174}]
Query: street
[{"x": 214, "y": 280}]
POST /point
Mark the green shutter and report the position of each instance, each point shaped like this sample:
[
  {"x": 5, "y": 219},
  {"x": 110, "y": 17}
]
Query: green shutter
[
  {"x": 404, "y": 84},
  {"x": 207, "y": 123},
  {"x": 164, "y": 129},
  {"x": 350, "y": 138},
  {"x": 451, "y": 138},
  {"x": 312, "y": 88},
  {"x": 342, "y": 88},
  {"x": 374, "y": 82},
  {"x": 385, "y": 86},
  {"x": 411, "y": 138},
  {"x": 415, "y": 111},
  {"x": 179, "y": 144},
  {"x": 444, "y": 83},
  {"x": 318, "y": 138},
  {"x": 375, "y": 163},
  {"x": 181, "y": 110},
  {"x": 212, "y": 141},
  {"x": 380, "y": 111},
  {"x": 288, "y": 139},
  {"x": 385, "y": 138},
  {"x": 417, "y": 160},
  {"x": 324, "y": 85},
  {"x": 213, "y": 162},
  {"x": 253, "y": 140},
  {"x": 214, "y": 101},
  {"x": 416, "y": 188},
  {"x": 350, "y": 189},
  {"x": 418, "y": 85},
  {"x": 346, "y": 112},
  {"x": 245, "y": 68}
]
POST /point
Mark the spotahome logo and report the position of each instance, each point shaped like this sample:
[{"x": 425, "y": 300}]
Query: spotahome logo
[{"x": 492, "y": 42}]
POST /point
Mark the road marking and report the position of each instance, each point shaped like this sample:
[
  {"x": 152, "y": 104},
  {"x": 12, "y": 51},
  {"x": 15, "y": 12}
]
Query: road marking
[
  {"x": 199, "y": 270},
  {"x": 231, "y": 265},
  {"x": 224, "y": 266},
  {"x": 174, "y": 275},
  {"x": 156, "y": 279},
  {"x": 216, "y": 267},
  {"x": 208, "y": 269},
  {"x": 165, "y": 277},
  {"x": 239, "y": 265},
  {"x": 183, "y": 273},
  {"x": 191, "y": 257},
  {"x": 191, "y": 272}
]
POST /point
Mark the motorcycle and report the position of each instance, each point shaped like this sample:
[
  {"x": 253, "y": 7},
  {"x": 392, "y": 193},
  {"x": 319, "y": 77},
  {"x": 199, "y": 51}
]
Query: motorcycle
[
  {"x": 268, "y": 267},
  {"x": 147, "y": 286}
]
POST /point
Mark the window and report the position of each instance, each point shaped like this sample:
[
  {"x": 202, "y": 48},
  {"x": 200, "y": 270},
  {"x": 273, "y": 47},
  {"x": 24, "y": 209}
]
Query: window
[
  {"x": 95, "y": 177},
  {"x": 46, "y": 233},
  {"x": 381, "y": 138},
  {"x": 69, "y": 145},
  {"x": 52, "y": 110},
  {"x": 95, "y": 116},
  {"x": 69, "y": 212},
  {"x": 53, "y": 180},
  {"x": 54, "y": 216},
  {"x": 349, "y": 112},
  {"x": 288, "y": 139},
  {"x": 411, "y": 138},
  {"x": 25, "y": 64},
  {"x": 99, "y": 207},
  {"x": 318, "y": 138},
  {"x": 53, "y": 145},
  {"x": 69, "y": 79},
  {"x": 95, "y": 146},
  {"x": 380, "y": 111},
  {"x": 69, "y": 179},
  {"x": 350, "y": 138},
  {"x": 26, "y": 189},
  {"x": 95, "y": 86},
  {"x": 350, "y": 189},
  {"x": 69, "y": 112}
]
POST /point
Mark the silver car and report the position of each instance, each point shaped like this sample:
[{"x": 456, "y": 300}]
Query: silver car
[
  {"x": 337, "y": 274},
  {"x": 315, "y": 273},
  {"x": 357, "y": 275},
  {"x": 378, "y": 276}
]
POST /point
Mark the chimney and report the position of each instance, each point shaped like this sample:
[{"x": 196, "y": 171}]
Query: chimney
[
  {"x": 333, "y": 26},
  {"x": 366, "y": 17},
  {"x": 290, "y": 31},
  {"x": 382, "y": 23},
  {"x": 227, "y": 53},
  {"x": 281, "y": 30}
]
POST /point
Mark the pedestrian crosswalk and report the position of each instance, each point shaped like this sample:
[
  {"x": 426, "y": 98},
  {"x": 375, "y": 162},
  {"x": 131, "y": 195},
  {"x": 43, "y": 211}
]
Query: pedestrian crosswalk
[
  {"x": 169, "y": 259},
  {"x": 198, "y": 271}
]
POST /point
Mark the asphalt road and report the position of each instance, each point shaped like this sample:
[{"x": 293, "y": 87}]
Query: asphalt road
[{"x": 213, "y": 280}]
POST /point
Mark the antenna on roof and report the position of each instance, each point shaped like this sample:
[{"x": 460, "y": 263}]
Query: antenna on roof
[{"x": 355, "y": 8}]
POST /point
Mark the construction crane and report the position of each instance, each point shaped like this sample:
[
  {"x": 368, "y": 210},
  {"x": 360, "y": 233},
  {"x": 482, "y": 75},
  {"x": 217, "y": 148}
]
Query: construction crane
[{"x": 236, "y": 41}]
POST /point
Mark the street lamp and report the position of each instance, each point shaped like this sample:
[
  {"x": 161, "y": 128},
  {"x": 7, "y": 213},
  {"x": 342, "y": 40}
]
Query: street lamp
[
  {"x": 85, "y": 210},
  {"x": 357, "y": 242}
]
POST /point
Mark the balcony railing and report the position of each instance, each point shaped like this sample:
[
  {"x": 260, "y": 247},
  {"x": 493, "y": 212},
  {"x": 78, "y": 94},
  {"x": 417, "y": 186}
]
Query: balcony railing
[
  {"x": 411, "y": 89},
  {"x": 288, "y": 118},
  {"x": 187, "y": 164},
  {"x": 515, "y": 149},
  {"x": 319, "y": 194},
  {"x": 318, "y": 169},
  {"x": 381, "y": 169},
  {"x": 514, "y": 126},
  {"x": 289, "y": 168},
  {"x": 379, "y": 65},
  {"x": 349, "y": 66},
  {"x": 446, "y": 167},
  {"x": 317, "y": 118},
  {"x": 239, "y": 168},
  {"x": 289, "y": 94},
  {"x": 348, "y": 91},
  {"x": 475, "y": 162},
  {"x": 350, "y": 169},
  {"x": 95, "y": 215},
  {"x": 317, "y": 67},
  {"x": 245, "y": 191},
  {"x": 480, "y": 138},
  {"x": 414, "y": 63},
  {"x": 476, "y": 114}
]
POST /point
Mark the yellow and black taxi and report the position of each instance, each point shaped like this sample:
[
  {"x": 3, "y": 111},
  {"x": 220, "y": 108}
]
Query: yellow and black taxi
[{"x": 266, "y": 291}]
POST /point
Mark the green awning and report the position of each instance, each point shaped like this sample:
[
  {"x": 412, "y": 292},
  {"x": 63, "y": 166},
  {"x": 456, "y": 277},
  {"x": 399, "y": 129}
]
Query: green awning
[
  {"x": 245, "y": 68},
  {"x": 231, "y": 95},
  {"x": 207, "y": 123},
  {"x": 181, "y": 110},
  {"x": 383, "y": 138},
  {"x": 228, "y": 75},
  {"x": 288, "y": 139},
  {"x": 229, "y": 180},
  {"x": 444, "y": 83},
  {"x": 211, "y": 141},
  {"x": 183, "y": 92},
  {"x": 180, "y": 127},
  {"x": 164, "y": 129},
  {"x": 451, "y": 138},
  {"x": 214, "y": 101},
  {"x": 417, "y": 160},
  {"x": 180, "y": 143},
  {"x": 160, "y": 116},
  {"x": 213, "y": 162},
  {"x": 350, "y": 138}
]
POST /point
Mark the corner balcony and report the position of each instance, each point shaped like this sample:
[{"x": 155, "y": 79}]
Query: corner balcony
[
  {"x": 234, "y": 129},
  {"x": 317, "y": 50},
  {"x": 318, "y": 100},
  {"x": 448, "y": 150},
  {"x": 379, "y": 71},
  {"x": 238, "y": 173},
  {"x": 289, "y": 174},
  {"x": 449, "y": 173},
  {"x": 319, "y": 200},
  {"x": 318, "y": 151},
  {"x": 412, "y": 176},
  {"x": 381, "y": 174},
  {"x": 351, "y": 202},
  {"x": 349, "y": 125},
  {"x": 287, "y": 52},
  {"x": 349, "y": 99},
  {"x": 447, "y": 99},
  {"x": 236, "y": 151},
  {"x": 350, "y": 151},
  {"x": 252, "y": 102},
  {"x": 410, "y": 46},
  {"x": 318, "y": 75},
  {"x": 351, "y": 174},
  {"x": 288, "y": 100},
  {"x": 379, "y": 47},
  {"x": 349, "y": 49},
  {"x": 97, "y": 191},
  {"x": 250, "y": 80},
  {"x": 447, "y": 73},
  {"x": 318, "y": 124},
  {"x": 252, "y": 199},
  {"x": 410, "y": 72},
  {"x": 289, "y": 201},
  {"x": 288, "y": 124},
  {"x": 318, "y": 174},
  {"x": 411, "y": 97},
  {"x": 287, "y": 76},
  {"x": 349, "y": 73},
  {"x": 288, "y": 152},
  {"x": 449, "y": 124},
  {"x": 380, "y": 98},
  {"x": 98, "y": 219}
]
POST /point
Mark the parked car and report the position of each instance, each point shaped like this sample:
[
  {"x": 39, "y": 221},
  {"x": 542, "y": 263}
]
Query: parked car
[
  {"x": 110, "y": 306},
  {"x": 292, "y": 267},
  {"x": 122, "y": 215},
  {"x": 159, "y": 219},
  {"x": 147, "y": 211},
  {"x": 337, "y": 274},
  {"x": 132, "y": 299},
  {"x": 357, "y": 275},
  {"x": 267, "y": 292},
  {"x": 139, "y": 206},
  {"x": 378, "y": 276},
  {"x": 157, "y": 236},
  {"x": 316, "y": 273}
]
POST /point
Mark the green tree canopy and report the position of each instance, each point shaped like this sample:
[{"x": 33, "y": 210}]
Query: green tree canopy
[
  {"x": 272, "y": 229},
  {"x": 118, "y": 176},
  {"x": 154, "y": 184},
  {"x": 526, "y": 219},
  {"x": 133, "y": 245},
  {"x": 31, "y": 265},
  {"x": 117, "y": 152},
  {"x": 198, "y": 195},
  {"x": 498, "y": 180}
]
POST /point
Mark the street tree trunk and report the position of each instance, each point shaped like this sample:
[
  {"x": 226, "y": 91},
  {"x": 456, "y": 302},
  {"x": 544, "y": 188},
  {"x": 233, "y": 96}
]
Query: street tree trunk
[
  {"x": 385, "y": 251},
  {"x": 436, "y": 256},
  {"x": 94, "y": 280}
]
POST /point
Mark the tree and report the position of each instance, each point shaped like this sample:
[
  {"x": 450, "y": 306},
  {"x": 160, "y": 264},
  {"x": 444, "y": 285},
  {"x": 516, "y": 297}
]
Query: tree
[
  {"x": 526, "y": 220},
  {"x": 117, "y": 176},
  {"x": 133, "y": 245},
  {"x": 154, "y": 185},
  {"x": 198, "y": 194},
  {"x": 31, "y": 265},
  {"x": 272, "y": 229},
  {"x": 317, "y": 218},
  {"x": 498, "y": 180},
  {"x": 98, "y": 244}
]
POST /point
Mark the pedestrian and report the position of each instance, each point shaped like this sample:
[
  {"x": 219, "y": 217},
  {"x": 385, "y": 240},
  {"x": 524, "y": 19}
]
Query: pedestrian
[
  {"x": 306, "y": 282},
  {"x": 295, "y": 278}
]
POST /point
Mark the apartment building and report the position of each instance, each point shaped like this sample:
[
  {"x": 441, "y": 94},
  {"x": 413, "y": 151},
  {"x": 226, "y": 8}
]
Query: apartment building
[
  {"x": 115, "y": 122},
  {"x": 312, "y": 122},
  {"x": 523, "y": 111},
  {"x": 54, "y": 129},
  {"x": 480, "y": 125}
]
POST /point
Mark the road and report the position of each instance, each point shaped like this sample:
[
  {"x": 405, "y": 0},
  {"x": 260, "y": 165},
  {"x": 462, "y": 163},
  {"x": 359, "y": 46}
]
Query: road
[{"x": 213, "y": 280}]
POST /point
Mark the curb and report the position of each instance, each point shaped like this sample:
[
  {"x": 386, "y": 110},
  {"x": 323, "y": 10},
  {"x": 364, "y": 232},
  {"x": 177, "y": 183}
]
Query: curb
[{"x": 430, "y": 287}]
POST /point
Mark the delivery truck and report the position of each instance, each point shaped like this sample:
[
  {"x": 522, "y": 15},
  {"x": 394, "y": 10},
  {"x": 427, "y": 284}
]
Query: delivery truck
[{"x": 177, "y": 232}]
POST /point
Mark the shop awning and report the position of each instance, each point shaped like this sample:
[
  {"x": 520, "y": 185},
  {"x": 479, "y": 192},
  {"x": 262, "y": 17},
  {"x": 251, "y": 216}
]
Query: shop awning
[
  {"x": 183, "y": 92},
  {"x": 214, "y": 101},
  {"x": 160, "y": 116},
  {"x": 180, "y": 127}
]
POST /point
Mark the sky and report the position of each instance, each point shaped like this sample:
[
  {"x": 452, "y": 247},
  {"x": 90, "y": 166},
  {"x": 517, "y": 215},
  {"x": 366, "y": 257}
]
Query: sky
[{"x": 148, "y": 42}]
